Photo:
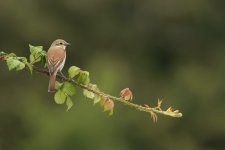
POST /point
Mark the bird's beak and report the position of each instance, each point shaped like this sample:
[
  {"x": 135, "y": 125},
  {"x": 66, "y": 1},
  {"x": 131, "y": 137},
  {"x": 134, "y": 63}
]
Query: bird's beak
[{"x": 67, "y": 44}]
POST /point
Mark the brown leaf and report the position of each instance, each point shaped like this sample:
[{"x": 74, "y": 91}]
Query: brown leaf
[
  {"x": 2, "y": 58},
  {"x": 126, "y": 94},
  {"x": 107, "y": 104}
]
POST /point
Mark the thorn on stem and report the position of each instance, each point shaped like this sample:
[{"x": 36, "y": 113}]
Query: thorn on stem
[{"x": 153, "y": 116}]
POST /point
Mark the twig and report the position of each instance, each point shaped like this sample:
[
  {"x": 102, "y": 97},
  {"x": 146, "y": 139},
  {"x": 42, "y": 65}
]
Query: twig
[{"x": 147, "y": 109}]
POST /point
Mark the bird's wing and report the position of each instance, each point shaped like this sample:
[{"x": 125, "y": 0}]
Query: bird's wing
[{"x": 55, "y": 58}]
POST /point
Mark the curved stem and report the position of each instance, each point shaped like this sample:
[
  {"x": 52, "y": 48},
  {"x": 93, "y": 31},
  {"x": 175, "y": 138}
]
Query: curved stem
[{"x": 146, "y": 108}]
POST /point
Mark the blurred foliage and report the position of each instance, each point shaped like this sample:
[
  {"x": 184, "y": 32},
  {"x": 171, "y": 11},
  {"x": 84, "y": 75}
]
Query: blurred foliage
[{"x": 162, "y": 49}]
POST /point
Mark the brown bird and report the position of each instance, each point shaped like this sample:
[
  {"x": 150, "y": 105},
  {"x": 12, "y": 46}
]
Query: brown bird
[{"x": 56, "y": 58}]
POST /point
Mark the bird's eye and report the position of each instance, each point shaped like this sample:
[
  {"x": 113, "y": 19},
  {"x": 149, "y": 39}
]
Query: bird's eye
[{"x": 60, "y": 43}]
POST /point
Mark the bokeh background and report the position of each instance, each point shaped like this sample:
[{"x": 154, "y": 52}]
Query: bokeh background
[{"x": 171, "y": 49}]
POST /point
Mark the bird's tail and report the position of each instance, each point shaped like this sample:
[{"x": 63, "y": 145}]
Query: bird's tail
[{"x": 51, "y": 86}]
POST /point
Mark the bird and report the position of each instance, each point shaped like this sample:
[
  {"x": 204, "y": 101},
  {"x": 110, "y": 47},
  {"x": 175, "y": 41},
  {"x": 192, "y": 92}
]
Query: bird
[{"x": 56, "y": 57}]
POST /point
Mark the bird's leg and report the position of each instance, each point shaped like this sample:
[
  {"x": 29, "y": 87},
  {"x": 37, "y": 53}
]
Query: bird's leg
[{"x": 63, "y": 76}]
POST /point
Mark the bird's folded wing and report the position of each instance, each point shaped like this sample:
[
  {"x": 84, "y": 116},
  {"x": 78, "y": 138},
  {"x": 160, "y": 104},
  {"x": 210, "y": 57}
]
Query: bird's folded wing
[
  {"x": 55, "y": 59},
  {"x": 53, "y": 64}
]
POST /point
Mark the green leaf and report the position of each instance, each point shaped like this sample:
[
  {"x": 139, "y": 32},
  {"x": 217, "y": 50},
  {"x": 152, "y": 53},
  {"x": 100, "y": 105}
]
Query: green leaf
[
  {"x": 69, "y": 103},
  {"x": 37, "y": 54},
  {"x": 83, "y": 78},
  {"x": 37, "y": 57},
  {"x": 97, "y": 99},
  {"x": 68, "y": 88},
  {"x": 60, "y": 97},
  {"x": 43, "y": 53},
  {"x": 10, "y": 63},
  {"x": 30, "y": 67},
  {"x": 58, "y": 85},
  {"x": 35, "y": 49},
  {"x": 32, "y": 59},
  {"x": 14, "y": 63},
  {"x": 73, "y": 71},
  {"x": 24, "y": 60},
  {"x": 20, "y": 66},
  {"x": 93, "y": 86},
  {"x": 88, "y": 94}
]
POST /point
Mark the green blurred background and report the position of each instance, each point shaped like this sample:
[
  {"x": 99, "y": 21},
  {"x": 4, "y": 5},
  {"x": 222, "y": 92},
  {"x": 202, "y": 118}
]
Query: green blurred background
[{"x": 170, "y": 49}]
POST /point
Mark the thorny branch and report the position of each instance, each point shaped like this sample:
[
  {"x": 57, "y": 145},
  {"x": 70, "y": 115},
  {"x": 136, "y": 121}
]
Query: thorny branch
[{"x": 146, "y": 108}]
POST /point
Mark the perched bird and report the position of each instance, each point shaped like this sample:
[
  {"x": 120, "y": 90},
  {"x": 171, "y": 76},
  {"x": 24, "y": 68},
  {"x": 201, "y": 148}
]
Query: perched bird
[{"x": 56, "y": 58}]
